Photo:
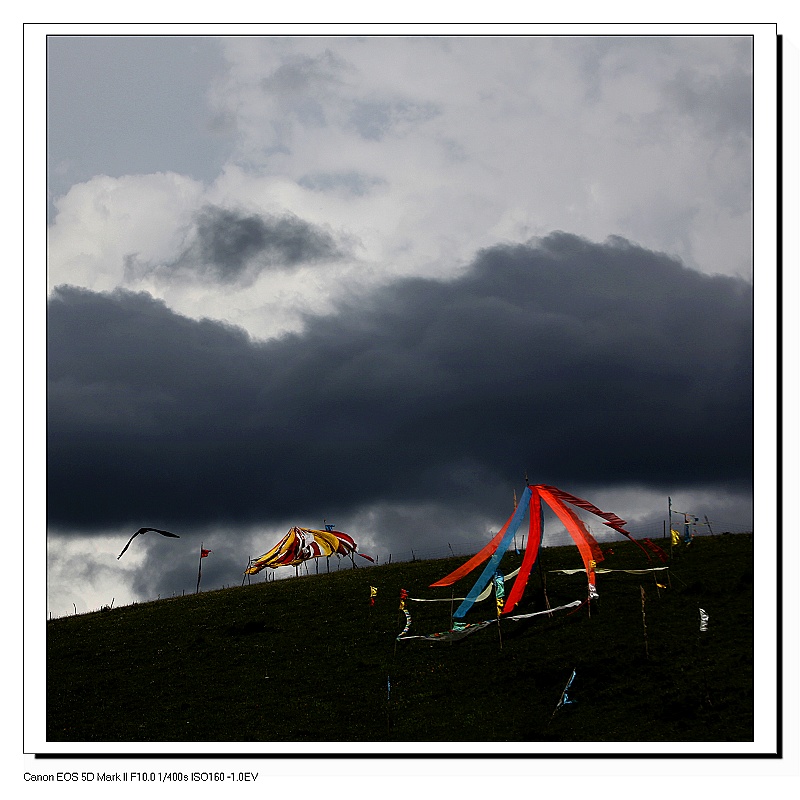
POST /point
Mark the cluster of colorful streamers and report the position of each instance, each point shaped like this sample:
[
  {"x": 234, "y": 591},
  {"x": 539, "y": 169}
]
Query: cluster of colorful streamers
[
  {"x": 531, "y": 501},
  {"x": 301, "y": 544},
  {"x": 494, "y": 552}
]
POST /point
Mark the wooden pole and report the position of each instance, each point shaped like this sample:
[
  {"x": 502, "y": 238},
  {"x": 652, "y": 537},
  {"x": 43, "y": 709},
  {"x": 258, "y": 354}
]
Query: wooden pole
[
  {"x": 199, "y": 569},
  {"x": 670, "y": 527},
  {"x": 544, "y": 583},
  {"x": 499, "y": 633}
]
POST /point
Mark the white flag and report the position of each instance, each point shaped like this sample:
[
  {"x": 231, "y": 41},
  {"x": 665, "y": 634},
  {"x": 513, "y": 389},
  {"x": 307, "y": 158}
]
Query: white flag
[{"x": 703, "y": 620}]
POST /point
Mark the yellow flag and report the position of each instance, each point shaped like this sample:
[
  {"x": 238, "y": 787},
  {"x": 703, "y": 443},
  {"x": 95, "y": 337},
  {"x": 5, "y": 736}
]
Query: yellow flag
[{"x": 676, "y": 538}]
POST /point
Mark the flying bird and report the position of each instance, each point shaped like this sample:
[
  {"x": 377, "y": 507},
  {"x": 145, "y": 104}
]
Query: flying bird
[{"x": 144, "y": 530}]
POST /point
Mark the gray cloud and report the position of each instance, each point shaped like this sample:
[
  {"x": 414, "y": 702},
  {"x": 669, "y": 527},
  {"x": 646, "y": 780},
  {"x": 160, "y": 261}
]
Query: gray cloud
[
  {"x": 375, "y": 118},
  {"x": 721, "y": 104},
  {"x": 582, "y": 363},
  {"x": 348, "y": 182},
  {"x": 231, "y": 246}
]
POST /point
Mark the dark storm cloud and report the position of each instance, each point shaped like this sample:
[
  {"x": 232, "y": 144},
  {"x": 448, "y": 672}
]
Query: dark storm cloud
[
  {"x": 582, "y": 363},
  {"x": 230, "y": 246},
  {"x": 228, "y": 240}
]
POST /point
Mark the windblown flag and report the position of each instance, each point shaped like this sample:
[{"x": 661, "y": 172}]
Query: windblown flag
[
  {"x": 373, "y": 591},
  {"x": 408, "y": 623},
  {"x": 301, "y": 544},
  {"x": 656, "y": 549},
  {"x": 703, "y": 620},
  {"x": 676, "y": 538},
  {"x": 564, "y": 699},
  {"x": 203, "y": 554},
  {"x": 499, "y": 591}
]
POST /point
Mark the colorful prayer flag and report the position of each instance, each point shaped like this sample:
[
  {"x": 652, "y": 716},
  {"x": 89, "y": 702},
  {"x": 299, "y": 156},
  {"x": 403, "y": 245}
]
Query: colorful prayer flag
[
  {"x": 301, "y": 544},
  {"x": 564, "y": 699},
  {"x": 499, "y": 591}
]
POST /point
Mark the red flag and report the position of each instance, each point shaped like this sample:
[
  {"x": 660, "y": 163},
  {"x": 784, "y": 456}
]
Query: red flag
[{"x": 204, "y": 553}]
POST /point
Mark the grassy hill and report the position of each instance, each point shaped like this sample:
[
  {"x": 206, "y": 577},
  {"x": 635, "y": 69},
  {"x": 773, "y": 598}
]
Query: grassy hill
[{"x": 308, "y": 659}]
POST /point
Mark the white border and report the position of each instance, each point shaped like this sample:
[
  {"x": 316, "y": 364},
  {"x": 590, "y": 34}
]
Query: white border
[{"x": 765, "y": 283}]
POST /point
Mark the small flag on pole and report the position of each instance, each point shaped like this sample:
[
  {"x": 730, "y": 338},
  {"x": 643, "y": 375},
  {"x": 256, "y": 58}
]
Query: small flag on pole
[
  {"x": 564, "y": 699},
  {"x": 203, "y": 554}
]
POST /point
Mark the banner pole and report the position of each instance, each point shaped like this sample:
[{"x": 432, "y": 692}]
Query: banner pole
[{"x": 199, "y": 569}]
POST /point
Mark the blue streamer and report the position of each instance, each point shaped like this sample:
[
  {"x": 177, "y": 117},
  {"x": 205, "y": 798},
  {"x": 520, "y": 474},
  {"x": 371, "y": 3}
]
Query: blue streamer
[{"x": 491, "y": 565}]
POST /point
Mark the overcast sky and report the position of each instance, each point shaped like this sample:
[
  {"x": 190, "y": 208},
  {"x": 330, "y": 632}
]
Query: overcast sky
[{"x": 379, "y": 280}]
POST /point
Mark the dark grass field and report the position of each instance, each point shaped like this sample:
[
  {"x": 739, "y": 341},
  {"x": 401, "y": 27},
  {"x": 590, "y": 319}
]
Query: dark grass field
[{"x": 309, "y": 660}]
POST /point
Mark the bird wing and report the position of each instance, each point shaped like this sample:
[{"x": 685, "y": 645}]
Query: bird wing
[
  {"x": 141, "y": 530},
  {"x": 163, "y": 533}
]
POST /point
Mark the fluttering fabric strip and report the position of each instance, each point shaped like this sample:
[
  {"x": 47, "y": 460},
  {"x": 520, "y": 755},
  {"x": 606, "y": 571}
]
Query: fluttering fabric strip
[
  {"x": 587, "y": 546},
  {"x": 531, "y": 553},
  {"x": 485, "y": 552},
  {"x": 465, "y": 629},
  {"x": 604, "y": 571},
  {"x": 573, "y": 604}
]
